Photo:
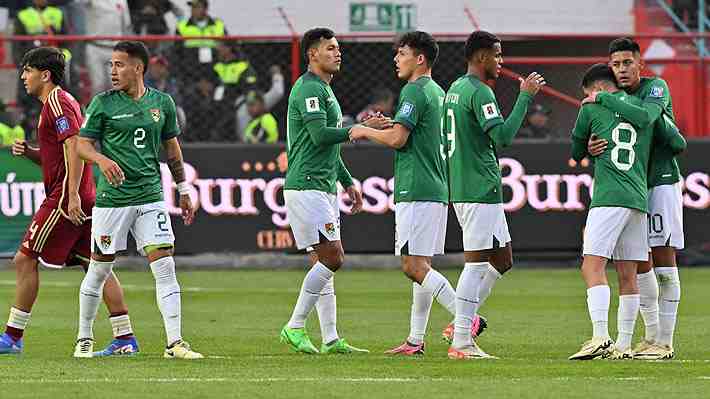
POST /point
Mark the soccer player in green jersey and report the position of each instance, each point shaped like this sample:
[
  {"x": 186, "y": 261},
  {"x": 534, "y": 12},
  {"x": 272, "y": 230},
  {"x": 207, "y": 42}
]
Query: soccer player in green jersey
[
  {"x": 132, "y": 122},
  {"x": 314, "y": 133},
  {"x": 421, "y": 190},
  {"x": 616, "y": 224},
  {"x": 665, "y": 234},
  {"x": 476, "y": 130}
]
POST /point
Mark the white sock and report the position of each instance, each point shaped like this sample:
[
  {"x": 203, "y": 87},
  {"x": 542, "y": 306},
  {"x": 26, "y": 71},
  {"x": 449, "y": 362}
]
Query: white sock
[
  {"x": 312, "y": 285},
  {"x": 421, "y": 307},
  {"x": 669, "y": 284},
  {"x": 489, "y": 280},
  {"x": 18, "y": 319},
  {"x": 121, "y": 325},
  {"x": 467, "y": 302},
  {"x": 327, "y": 312},
  {"x": 441, "y": 290},
  {"x": 648, "y": 290},
  {"x": 167, "y": 294},
  {"x": 598, "y": 298},
  {"x": 626, "y": 320},
  {"x": 90, "y": 292}
]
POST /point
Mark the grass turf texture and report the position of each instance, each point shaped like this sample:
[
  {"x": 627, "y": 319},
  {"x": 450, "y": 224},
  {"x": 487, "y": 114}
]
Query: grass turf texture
[{"x": 537, "y": 318}]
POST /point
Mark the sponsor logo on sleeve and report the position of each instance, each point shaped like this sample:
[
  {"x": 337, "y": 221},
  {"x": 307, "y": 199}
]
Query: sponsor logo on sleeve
[
  {"x": 656, "y": 91},
  {"x": 62, "y": 124},
  {"x": 406, "y": 109},
  {"x": 490, "y": 111},
  {"x": 312, "y": 104}
]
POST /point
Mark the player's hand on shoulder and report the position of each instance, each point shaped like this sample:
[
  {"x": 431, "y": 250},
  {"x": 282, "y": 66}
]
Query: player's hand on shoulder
[
  {"x": 356, "y": 197},
  {"x": 596, "y": 145},
  {"x": 188, "y": 211},
  {"x": 378, "y": 121},
  {"x": 19, "y": 147},
  {"x": 111, "y": 171},
  {"x": 532, "y": 84}
]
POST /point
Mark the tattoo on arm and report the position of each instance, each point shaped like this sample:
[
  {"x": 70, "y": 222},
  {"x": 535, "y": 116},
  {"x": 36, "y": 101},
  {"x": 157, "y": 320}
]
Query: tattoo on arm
[{"x": 177, "y": 169}]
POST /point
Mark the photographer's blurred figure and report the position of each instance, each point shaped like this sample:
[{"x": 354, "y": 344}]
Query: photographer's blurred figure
[
  {"x": 536, "y": 126},
  {"x": 263, "y": 127}
]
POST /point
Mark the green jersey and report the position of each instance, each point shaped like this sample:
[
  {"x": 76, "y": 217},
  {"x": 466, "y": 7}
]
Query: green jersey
[
  {"x": 131, "y": 133},
  {"x": 620, "y": 171},
  {"x": 312, "y": 166},
  {"x": 470, "y": 111},
  {"x": 419, "y": 166},
  {"x": 663, "y": 167}
]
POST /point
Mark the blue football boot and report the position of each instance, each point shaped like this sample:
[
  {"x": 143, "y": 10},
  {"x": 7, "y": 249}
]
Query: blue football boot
[
  {"x": 119, "y": 347},
  {"x": 8, "y": 344}
]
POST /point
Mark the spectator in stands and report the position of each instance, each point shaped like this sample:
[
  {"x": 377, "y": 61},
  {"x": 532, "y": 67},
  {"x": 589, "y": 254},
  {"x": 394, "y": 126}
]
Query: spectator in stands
[
  {"x": 235, "y": 78},
  {"x": 271, "y": 97},
  {"x": 381, "y": 101},
  {"x": 9, "y": 132},
  {"x": 196, "y": 56},
  {"x": 148, "y": 18},
  {"x": 200, "y": 112},
  {"x": 158, "y": 77},
  {"x": 37, "y": 19},
  {"x": 263, "y": 127},
  {"x": 536, "y": 126},
  {"x": 106, "y": 18}
]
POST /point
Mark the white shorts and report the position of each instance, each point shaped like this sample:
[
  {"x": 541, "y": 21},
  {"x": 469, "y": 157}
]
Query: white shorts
[
  {"x": 483, "y": 225},
  {"x": 312, "y": 214},
  {"x": 665, "y": 219},
  {"x": 149, "y": 224},
  {"x": 616, "y": 233},
  {"x": 420, "y": 228}
]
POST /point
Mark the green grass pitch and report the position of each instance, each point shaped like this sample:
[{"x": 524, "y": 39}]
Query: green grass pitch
[{"x": 537, "y": 318}]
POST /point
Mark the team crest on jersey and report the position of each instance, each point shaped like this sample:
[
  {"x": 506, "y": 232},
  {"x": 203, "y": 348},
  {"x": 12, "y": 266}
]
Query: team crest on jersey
[
  {"x": 490, "y": 111},
  {"x": 155, "y": 113},
  {"x": 62, "y": 124},
  {"x": 330, "y": 228},
  {"x": 105, "y": 241},
  {"x": 656, "y": 91}
]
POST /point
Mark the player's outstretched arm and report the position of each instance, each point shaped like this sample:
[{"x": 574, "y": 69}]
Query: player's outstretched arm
[
  {"x": 110, "y": 169},
  {"x": 75, "y": 169},
  {"x": 502, "y": 134},
  {"x": 395, "y": 137},
  {"x": 324, "y": 135},
  {"x": 177, "y": 169},
  {"x": 20, "y": 148}
]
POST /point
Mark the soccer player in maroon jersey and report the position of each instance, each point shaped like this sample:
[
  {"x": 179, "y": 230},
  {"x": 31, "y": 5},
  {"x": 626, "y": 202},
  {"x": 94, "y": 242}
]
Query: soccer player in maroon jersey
[{"x": 60, "y": 232}]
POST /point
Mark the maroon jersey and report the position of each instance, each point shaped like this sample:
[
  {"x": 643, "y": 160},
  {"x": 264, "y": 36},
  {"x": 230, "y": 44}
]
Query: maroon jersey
[{"x": 60, "y": 119}]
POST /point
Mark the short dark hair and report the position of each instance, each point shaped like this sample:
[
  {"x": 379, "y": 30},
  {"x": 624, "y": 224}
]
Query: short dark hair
[
  {"x": 624, "y": 44},
  {"x": 421, "y": 43},
  {"x": 46, "y": 59},
  {"x": 479, "y": 40},
  {"x": 134, "y": 49},
  {"x": 596, "y": 73},
  {"x": 312, "y": 37}
]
